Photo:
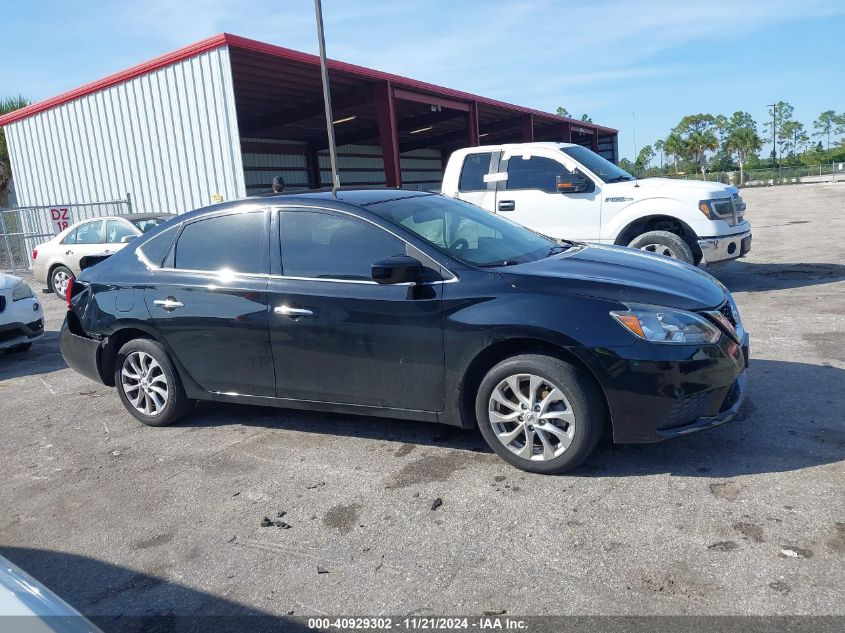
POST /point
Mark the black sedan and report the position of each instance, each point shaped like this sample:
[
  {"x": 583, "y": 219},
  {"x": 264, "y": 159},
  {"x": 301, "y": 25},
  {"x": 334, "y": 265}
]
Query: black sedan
[{"x": 415, "y": 306}]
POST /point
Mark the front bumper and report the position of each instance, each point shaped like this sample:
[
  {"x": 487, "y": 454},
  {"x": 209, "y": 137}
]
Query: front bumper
[
  {"x": 725, "y": 248},
  {"x": 14, "y": 334},
  {"x": 655, "y": 392}
]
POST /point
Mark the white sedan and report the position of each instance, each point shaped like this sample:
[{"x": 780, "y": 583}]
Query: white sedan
[{"x": 21, "y": 316}]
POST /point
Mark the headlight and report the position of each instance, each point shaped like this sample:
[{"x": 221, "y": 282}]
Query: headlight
[
  {"x": 21, "y": 291},
  {"x": 735, "y": 310},
  {"x": 665, "y": 325},
  {"x": 717, "y": 209}
]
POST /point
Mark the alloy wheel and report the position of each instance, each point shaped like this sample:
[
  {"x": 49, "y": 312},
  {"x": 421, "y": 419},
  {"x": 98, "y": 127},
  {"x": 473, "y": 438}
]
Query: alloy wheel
[
  {"x": 144, "y": 383},
  {"x": 60, "y": 281},
  {"x": 531, "y": 417}
]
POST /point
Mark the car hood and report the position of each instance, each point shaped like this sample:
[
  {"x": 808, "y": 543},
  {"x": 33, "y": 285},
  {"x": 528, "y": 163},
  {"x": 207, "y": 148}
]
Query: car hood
[
  {"x": 8, "y": 281},
  {"x": 621, "y": 274},
  {"x": 669, "y": 188}
]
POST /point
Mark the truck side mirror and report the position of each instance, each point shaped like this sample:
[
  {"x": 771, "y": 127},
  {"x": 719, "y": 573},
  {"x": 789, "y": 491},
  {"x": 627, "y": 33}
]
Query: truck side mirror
[{"x": 572, "y": 182}]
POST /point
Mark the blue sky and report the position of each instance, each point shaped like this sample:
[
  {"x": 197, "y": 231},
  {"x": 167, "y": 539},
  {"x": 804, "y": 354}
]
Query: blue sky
[{"x": 611, "y": 59}]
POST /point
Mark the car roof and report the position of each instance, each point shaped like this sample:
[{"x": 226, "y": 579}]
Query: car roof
[
  {"x": 141, "y": 216},
  {"x": 358, "y": 197}
]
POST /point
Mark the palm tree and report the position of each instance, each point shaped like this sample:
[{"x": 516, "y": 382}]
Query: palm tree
[
  {"x": 743, "y": 142},
  {"x": 675, "y": 147},
  {"x": 7, "y": 105},
  {"x": 699, "y": 143},
  {"x": 659, "y": 145}
]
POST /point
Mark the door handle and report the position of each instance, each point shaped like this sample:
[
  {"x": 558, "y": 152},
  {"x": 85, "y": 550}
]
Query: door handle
[
  {"x": 68, "y": 252},
  {"x": 168, "y": 303},
  {"x": 294, "y": 313},
  {"x": 507, "y": 205}
]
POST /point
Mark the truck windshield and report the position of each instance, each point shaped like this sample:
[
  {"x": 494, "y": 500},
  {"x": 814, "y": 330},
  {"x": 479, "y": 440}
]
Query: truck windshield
[
  {"x": 466, "y": 232},
  {"x": 599, "y": 165}
]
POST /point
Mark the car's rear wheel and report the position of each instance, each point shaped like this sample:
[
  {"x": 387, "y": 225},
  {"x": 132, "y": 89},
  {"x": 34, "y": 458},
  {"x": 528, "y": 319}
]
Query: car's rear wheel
[
  {"x": 148, "y": 384},
  {"x": 540, "y": 413},
  {"x": 59, "y": 279},
  {"x": 664, "y": 243}
]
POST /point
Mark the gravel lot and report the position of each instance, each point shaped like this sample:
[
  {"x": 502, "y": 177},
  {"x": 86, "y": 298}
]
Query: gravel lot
[{"x": 748, "y": 518}]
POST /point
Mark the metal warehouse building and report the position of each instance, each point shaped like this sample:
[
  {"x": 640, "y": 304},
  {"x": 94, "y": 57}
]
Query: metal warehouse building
[{"x": 220, "y": 118}]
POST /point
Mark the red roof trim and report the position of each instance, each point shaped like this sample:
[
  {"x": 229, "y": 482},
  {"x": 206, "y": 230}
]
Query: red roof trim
[{"x": 227, "y": 39}]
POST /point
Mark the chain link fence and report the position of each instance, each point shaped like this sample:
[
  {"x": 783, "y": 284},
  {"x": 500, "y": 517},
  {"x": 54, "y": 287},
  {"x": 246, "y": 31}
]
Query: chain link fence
[
  {"x": 24, "y": 228},
  {"x": 831, "y": 172}
]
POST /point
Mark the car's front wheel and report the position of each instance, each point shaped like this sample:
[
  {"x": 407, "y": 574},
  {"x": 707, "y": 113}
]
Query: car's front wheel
[
  {"x": 540, "y": 413},
  {"x": 148, "y": 384}
]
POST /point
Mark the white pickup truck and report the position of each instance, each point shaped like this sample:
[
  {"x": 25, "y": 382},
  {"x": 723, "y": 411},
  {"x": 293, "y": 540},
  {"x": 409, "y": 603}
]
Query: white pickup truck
[{"x": 567, "y": 191}]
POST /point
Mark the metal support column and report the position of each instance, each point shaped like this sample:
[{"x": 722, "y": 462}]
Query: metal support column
[
  {"x": 566, "y": 133},
  {"x": 388, "y": 134},
  {"x": 528, "y": 128},
  {"x": 594, "y": 140},
  {"x": 472, "y": 125},
  {"x": 312, "y": 159}
]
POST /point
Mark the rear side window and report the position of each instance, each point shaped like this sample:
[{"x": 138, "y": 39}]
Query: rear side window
[
  {"x": 474, "y": 169},
  {"x": 322, "y": 245},
  {"x": 230, "y": 242},
  {"x": 535, "y": 172},
  {"x": 70, "y": 238},
  {"x": 90, "y": 233},
  {"x": 116, "y": 230},
  {"x": 158, "y": 246}
]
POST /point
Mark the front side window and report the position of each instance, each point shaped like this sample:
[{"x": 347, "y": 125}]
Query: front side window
[
  {"x": 116, "y": 230},
  {"x": 90, "y": 233},
  {"x": 535, "y": 172},
  {"x": 226, "y": 242},
  {"x": 474, "y": 169},
  {"x": 322, "y": 245},
  {"x": 599, "y": 165},
  {"x": 465, "y": 231}
]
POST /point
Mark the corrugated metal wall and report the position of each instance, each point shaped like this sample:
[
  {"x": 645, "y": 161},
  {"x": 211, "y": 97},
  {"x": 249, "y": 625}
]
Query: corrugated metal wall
[{"x": 169, "y": 138}]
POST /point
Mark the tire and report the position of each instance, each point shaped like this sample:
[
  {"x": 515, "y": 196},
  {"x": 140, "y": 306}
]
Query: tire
[
  {"x": 664, "y": 243},
  {"x": 17, "y": 349},
  {"x": 560, "y": 442},
  {"x": 148, "y": 384},
  {"x": 59, "y": 276}
]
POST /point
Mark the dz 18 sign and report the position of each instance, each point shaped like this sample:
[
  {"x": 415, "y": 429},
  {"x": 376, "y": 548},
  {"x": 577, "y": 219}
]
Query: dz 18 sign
[{"x": 61, "y": 219}]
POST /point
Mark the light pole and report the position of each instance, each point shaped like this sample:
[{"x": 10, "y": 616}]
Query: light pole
[
  {"x": 774, "y": 131},
  {"x": 327, "y": 97}
]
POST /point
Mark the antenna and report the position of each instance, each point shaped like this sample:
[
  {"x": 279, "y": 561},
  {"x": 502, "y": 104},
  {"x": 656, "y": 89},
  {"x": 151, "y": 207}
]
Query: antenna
[
  {"x": 634, "y": 117},
  {"x": 327, "y": 97}
]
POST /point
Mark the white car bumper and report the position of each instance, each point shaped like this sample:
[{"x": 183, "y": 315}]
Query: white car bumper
[
  {"x": 725, "y": 248},
  {"x": 20, "y": 322}
]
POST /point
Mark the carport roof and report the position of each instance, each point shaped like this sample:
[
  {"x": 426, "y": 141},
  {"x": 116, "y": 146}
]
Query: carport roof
[{"x": 341, "y": 72}]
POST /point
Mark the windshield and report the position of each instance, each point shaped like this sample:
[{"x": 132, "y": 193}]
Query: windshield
[
  {"x": 145, "y": 224},
  {"x": 466, "y": 232},
  {"x": 599, "y": 165}
]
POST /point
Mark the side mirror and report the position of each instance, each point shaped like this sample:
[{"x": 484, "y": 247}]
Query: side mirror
[
  {"x": 571, "y": 183},
  {"x": 126, "y": 239},
  {"x": 399, "y": 269}
]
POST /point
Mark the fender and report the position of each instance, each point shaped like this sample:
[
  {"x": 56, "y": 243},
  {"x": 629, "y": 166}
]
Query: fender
[{"x": 617, "y": 222}]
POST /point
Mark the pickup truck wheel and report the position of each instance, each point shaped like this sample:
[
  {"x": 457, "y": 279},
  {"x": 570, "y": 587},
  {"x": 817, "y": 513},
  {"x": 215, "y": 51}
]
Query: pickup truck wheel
[
  {"x": 540, "y": 413},
  {"x": 664, "y": 243}
]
